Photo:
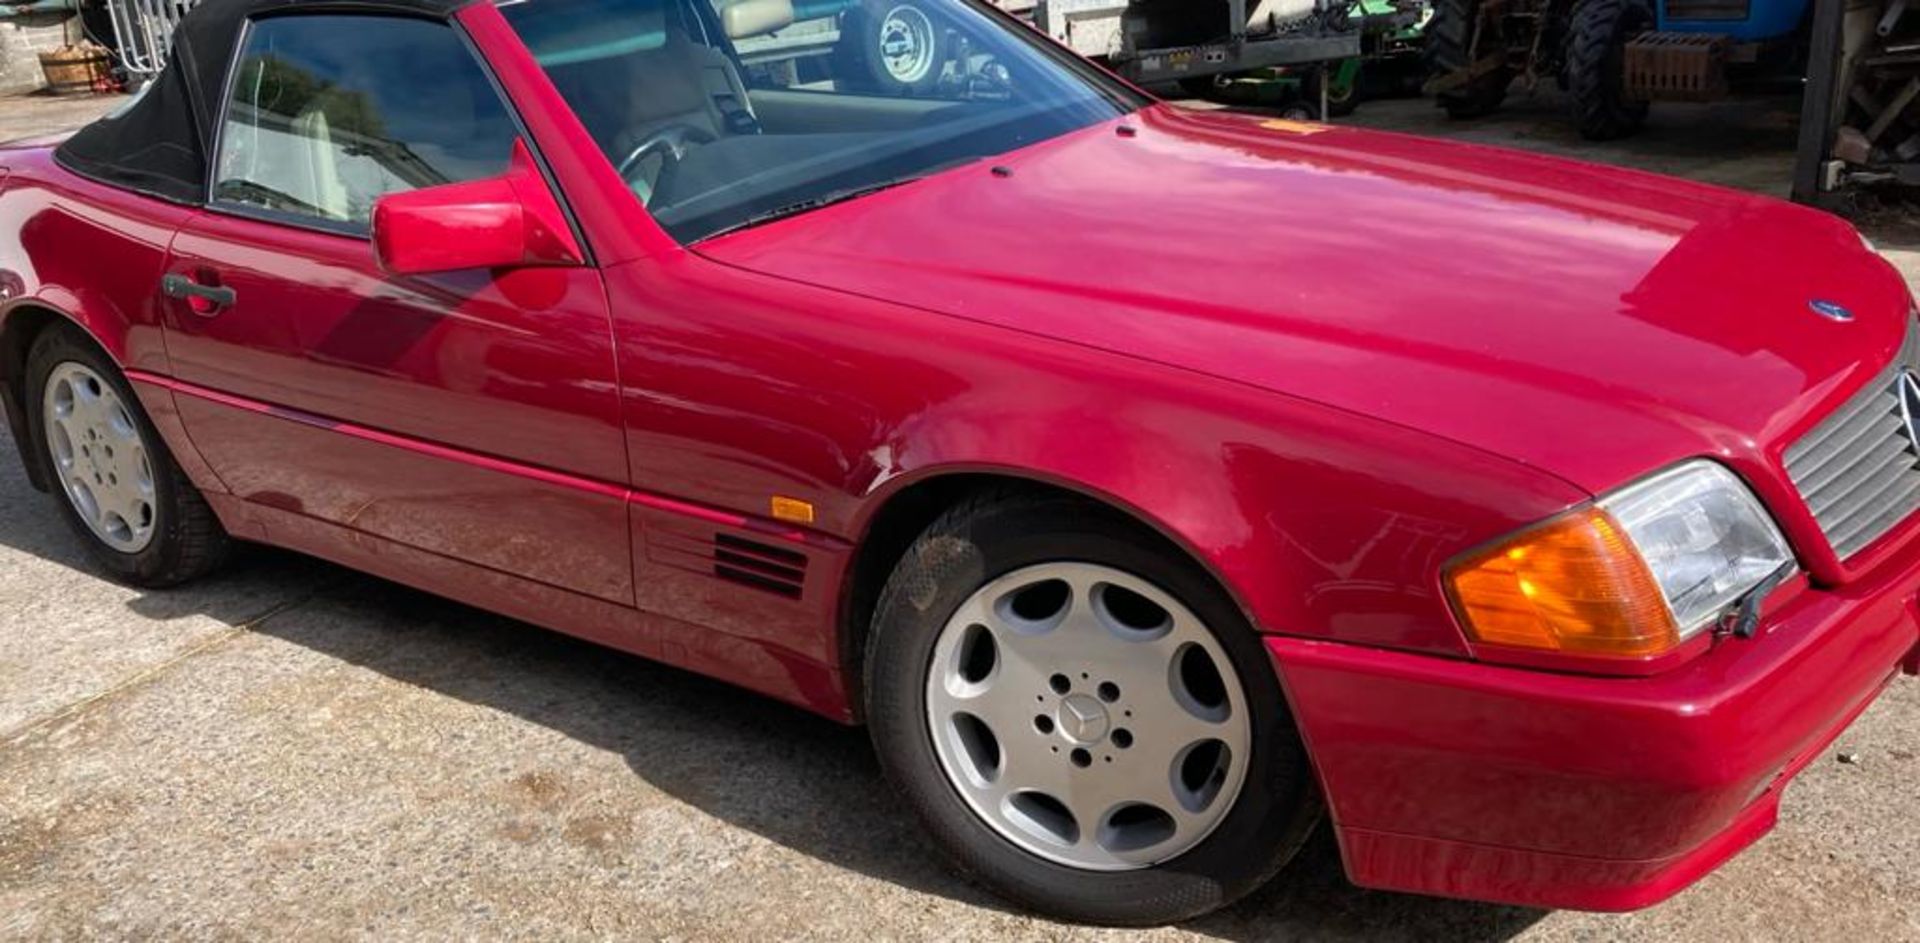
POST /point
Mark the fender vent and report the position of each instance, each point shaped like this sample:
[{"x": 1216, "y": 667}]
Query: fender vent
[{"x": 759, "y": 566}]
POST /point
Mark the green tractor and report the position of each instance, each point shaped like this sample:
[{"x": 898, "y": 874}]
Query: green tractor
[{"x": 1390, "y": 64}]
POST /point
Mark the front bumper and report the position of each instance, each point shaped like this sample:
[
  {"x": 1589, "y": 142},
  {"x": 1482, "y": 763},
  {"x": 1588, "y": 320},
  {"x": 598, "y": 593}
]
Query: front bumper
[{"x": 1490, "y": 783}]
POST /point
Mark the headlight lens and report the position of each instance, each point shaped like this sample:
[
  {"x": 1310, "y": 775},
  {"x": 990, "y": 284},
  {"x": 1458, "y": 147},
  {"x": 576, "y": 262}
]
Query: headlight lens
[{"x": 1633, "y": 576}]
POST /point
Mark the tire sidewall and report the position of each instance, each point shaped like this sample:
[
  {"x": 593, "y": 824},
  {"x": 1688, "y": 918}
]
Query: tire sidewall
[
  {"x": 1277, "y": 804},
  {"x": 61, "y": 345}
]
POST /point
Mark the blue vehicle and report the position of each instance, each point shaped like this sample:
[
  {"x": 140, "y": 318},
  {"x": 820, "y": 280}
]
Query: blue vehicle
[{"x": 1614, "y": 57}]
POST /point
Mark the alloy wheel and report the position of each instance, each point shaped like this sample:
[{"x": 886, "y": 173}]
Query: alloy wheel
[
  {"x": 103, "y": 464},
  {"x": 1087, "y": 717}
]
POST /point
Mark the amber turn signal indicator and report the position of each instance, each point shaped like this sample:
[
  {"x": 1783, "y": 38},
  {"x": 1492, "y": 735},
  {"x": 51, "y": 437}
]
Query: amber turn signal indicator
[
  {"x": 792, "y": 510},
  {"x": 1575, "y": 585}
]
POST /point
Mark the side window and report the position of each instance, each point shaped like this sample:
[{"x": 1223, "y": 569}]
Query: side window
[{"x": 330, "y": 113}]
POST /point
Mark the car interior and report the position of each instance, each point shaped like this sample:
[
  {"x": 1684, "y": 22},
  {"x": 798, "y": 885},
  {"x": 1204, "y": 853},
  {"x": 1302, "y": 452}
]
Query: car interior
[{"x": 703, "y": 138}]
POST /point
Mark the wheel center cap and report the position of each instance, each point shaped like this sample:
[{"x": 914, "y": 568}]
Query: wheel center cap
[{"x": 1083, "y": 719}]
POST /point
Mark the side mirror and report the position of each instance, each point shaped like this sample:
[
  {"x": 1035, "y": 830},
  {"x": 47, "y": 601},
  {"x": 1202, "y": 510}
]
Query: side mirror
[{"x": 504, "y": 222}]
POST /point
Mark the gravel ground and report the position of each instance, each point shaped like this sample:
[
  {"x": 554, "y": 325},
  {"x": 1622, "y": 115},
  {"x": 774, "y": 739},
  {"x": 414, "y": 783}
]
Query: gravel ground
[{"x": 294, "y": 750}]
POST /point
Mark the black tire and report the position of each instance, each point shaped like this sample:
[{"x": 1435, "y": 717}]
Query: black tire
[
  {"x": 188, "y": 541},
  {"x": 1341, "y": 102},
  {"x": 989, "y": 537},
  {"x": 1449, "y": 36},
  {"x": 1596, "y": 67},
  {"x": 865, "y": 29}
]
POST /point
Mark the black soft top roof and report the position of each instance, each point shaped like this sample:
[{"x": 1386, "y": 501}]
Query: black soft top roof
[{"x": 159, "y": 144}]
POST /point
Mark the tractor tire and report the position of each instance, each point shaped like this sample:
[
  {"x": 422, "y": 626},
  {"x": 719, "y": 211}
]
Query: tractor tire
[
  {"x": 1596, "y": 67},
  {"x": 1449, "y": 36}
]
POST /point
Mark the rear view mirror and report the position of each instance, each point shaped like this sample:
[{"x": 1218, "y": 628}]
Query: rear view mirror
[{"x": 509, "y": 221}]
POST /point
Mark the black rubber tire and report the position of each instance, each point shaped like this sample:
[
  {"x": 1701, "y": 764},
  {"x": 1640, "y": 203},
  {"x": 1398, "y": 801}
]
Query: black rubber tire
[
  {"x": 1339, "y": 105},
  {"x": 987, "y": 537},
  {"x": 861, "y": 36},
  {"x": 1596, "y": 67},
  {"x": 1449, "y": 33},
  {"x": 188, "y": 541}
]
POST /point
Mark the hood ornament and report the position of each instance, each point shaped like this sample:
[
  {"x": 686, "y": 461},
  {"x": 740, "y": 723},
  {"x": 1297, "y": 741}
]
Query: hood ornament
[{"x": 1832, "y": 311}]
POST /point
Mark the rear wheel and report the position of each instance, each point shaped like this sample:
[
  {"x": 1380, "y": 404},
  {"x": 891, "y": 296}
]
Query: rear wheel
[
  {"x": 112, "y": 476},
  {"x": 1450, "y": 48},
  {"x": 1596, "y": 68},
  {"x": 1081, "y": 718}
]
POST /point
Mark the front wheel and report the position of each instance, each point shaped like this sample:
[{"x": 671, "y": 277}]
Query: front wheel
[
  {"x": 112, "y": 476},
  {"x": 1081, "y": 718}
]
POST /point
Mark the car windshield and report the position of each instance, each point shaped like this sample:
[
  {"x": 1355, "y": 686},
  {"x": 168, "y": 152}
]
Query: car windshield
[{"x": 722, "y": 114}]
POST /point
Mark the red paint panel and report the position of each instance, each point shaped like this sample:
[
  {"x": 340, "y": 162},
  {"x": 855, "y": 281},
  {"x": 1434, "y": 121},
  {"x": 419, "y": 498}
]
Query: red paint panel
[
  {"x": 1415, "y": 865},
  {"x": 93, "y": 253},
  {"x": 515, "y": 366},
  {"x": 1594, "y": 323},
  {"x": 1638, "y": 769},
  {"x": 758, "y": 666},
  {"x": 1324, "y": 524}
]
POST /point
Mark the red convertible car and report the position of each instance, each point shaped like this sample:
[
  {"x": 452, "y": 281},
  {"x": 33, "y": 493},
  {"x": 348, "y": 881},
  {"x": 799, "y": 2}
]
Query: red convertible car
[{"x": 890, "y": 361}]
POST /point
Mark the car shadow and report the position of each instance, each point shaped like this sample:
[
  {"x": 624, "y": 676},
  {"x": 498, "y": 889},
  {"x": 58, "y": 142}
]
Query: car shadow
[{"x": 796, "y": 779}]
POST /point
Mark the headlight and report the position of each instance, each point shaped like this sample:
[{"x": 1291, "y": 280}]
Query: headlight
[{"x": 1632, "y": 576}]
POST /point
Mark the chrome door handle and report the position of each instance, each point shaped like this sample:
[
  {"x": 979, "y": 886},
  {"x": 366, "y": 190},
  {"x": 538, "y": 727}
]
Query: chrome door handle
[{"x": 182, "y": 287}]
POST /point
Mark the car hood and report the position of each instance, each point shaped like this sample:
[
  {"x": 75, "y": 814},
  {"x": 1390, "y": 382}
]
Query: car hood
[{"x": 1592, "y": 322}]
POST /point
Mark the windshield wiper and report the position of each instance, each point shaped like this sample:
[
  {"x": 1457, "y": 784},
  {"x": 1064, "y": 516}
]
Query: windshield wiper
[{"x": 810, "y": 204}]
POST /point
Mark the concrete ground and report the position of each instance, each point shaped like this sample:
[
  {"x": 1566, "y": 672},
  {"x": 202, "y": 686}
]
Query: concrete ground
[{"x": 295, "y": 750}]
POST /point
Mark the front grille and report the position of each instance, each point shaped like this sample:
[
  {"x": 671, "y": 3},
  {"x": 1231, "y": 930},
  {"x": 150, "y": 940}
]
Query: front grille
[{"x": 1859, "y": 471}]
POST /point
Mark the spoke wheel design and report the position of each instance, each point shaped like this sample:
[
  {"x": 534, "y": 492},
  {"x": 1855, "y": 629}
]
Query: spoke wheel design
[
  {"x": 906, "y": 44},
  {"x": 103, "y": 464},
  {"x": 1087, "y": 717}
]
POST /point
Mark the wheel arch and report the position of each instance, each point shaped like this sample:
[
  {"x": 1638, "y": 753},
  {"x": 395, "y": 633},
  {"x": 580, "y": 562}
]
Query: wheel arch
[
  {"x": 21, "y": 324},
  {"x": 903, "y": 508}
]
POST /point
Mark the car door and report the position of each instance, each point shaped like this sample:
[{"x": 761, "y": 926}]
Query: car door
[{"x": 473, "y": 415}]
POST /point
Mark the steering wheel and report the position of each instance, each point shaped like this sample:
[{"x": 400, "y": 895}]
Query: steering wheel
[{"x": 671, "y": 142}]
